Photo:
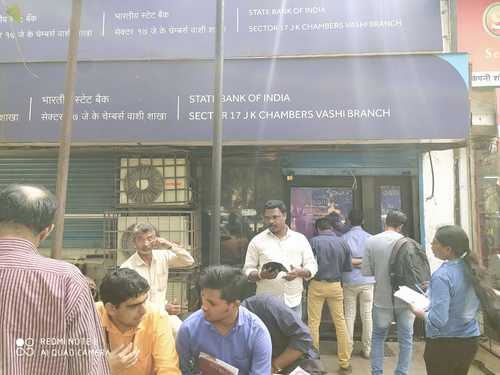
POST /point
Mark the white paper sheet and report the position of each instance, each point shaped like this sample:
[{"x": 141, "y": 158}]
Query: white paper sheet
[{"x": 414, "y": 298}]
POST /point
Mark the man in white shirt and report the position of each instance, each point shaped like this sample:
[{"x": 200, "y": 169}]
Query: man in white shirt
[
  {"x": 278, "y": 243},
  {"x": 152, "y": 259}
]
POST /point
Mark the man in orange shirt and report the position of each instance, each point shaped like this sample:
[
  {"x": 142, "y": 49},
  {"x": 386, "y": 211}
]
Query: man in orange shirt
[{"x": 138, "y": 336}]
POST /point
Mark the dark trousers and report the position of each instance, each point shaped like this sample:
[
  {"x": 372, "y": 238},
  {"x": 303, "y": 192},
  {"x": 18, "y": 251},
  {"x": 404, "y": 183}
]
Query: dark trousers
[{"x": 450, "y": 356}]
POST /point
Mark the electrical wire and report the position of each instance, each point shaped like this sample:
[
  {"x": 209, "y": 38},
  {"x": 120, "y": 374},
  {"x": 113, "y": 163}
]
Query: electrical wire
[
  {"x": 355, "y": 182},
  {"x": 432, "y": 174}
]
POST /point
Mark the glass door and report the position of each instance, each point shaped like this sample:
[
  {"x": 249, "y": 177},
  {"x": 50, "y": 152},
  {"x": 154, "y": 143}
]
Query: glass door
[{"x": 394, "y": 193}]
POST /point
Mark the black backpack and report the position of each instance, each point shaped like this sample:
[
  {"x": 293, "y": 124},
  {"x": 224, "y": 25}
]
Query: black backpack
[{"x": 408, "y": 265}]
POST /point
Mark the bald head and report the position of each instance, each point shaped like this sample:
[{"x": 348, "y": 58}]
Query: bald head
[
  {"x": 33, "y": 207},
  {"x": 32, "y": 192}
]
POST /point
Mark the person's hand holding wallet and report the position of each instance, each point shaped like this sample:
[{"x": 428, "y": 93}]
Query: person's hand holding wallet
[{"x": 271, "y": 269}]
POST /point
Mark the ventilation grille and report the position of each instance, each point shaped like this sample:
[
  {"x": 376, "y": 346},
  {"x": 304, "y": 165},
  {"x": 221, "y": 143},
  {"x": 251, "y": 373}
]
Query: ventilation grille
[{"x": 149, "y": 182}]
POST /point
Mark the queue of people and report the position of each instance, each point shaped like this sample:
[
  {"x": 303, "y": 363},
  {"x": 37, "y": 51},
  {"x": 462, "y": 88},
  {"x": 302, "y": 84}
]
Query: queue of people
[{"x": 50, "y": 324}]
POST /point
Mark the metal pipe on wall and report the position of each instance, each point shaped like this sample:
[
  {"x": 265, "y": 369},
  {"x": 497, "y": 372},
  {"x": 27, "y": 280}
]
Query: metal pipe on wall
[
  {"x": 65, "y": 139},
  {"x": 214, "y": 256}
]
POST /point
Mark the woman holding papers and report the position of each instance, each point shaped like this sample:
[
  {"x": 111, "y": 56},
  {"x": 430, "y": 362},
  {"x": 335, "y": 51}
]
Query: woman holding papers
[{"x": 451, "y": 327}]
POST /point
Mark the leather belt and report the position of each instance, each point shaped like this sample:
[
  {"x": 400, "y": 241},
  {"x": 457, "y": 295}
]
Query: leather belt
[{"x": 328, "y": 280}]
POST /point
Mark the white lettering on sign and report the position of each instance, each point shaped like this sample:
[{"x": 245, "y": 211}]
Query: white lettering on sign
[
  {"x": 127, "y": 16},
  {"x": 204, "y": 115},
  {"x": 9, "y": 117},
  {"x": 124, "y": 32},
  {"x": 274, "y": 98},
  {"x": 282, "y": 11},
  {"x": 266, "y": 28},
  {"x": 330, "y": 113},
  {"x": 369, "y": 113},
  {"x": 286, "y": 115},
  {"x": 204, "y": 99},
  {"x": 315, "y": 10},
  {"x": 490, "y": 53},
  {"x": 258, "y": 12}
]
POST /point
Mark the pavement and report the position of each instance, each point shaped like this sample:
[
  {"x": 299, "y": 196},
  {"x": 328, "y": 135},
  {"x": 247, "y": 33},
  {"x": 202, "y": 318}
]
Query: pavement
[{"x": 485, "y": 363}]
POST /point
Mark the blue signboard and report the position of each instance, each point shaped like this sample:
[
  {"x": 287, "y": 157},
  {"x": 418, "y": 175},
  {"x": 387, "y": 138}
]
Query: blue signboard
[
  {"x": 335, "y": 26},
  {"x": 163, "y": 29},
  {"x": 265, "y": 101}
]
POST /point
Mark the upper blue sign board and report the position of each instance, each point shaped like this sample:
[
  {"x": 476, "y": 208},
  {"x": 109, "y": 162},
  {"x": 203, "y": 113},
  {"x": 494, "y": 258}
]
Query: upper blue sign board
[{"x": 166, "y": 29}]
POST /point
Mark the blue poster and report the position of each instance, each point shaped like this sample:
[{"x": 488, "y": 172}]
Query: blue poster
[{"x": 309, "y": 204}]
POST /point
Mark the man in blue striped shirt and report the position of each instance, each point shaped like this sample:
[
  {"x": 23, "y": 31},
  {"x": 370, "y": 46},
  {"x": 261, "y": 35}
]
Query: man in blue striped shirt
[
  {"x": 48, "y": 322},
  {"x": 355, "y": 284}
]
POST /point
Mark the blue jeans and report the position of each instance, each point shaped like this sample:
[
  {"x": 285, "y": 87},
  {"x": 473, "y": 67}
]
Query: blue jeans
[{"x": 382, "y": 318}]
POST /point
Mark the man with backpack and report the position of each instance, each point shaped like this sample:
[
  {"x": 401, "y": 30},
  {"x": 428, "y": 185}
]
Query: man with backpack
[
  {"x": 378, "y": 250},
  {"x": 409, "y": 266}
]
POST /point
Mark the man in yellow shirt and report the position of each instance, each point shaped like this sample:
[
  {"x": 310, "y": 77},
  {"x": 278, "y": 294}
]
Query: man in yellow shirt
[{"x": 138, "y": 336}]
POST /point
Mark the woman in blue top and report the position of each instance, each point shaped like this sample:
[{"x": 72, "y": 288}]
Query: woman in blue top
[{"x": 451, "y": 327}]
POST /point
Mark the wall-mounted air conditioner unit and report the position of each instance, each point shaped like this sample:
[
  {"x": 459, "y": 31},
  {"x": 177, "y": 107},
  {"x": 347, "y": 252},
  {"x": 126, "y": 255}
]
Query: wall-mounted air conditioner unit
[{"x": 147, "y": 182}]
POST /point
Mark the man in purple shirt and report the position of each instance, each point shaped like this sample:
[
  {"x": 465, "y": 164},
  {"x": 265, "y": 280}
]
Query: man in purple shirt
[{"x": 355, "y": 284}]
